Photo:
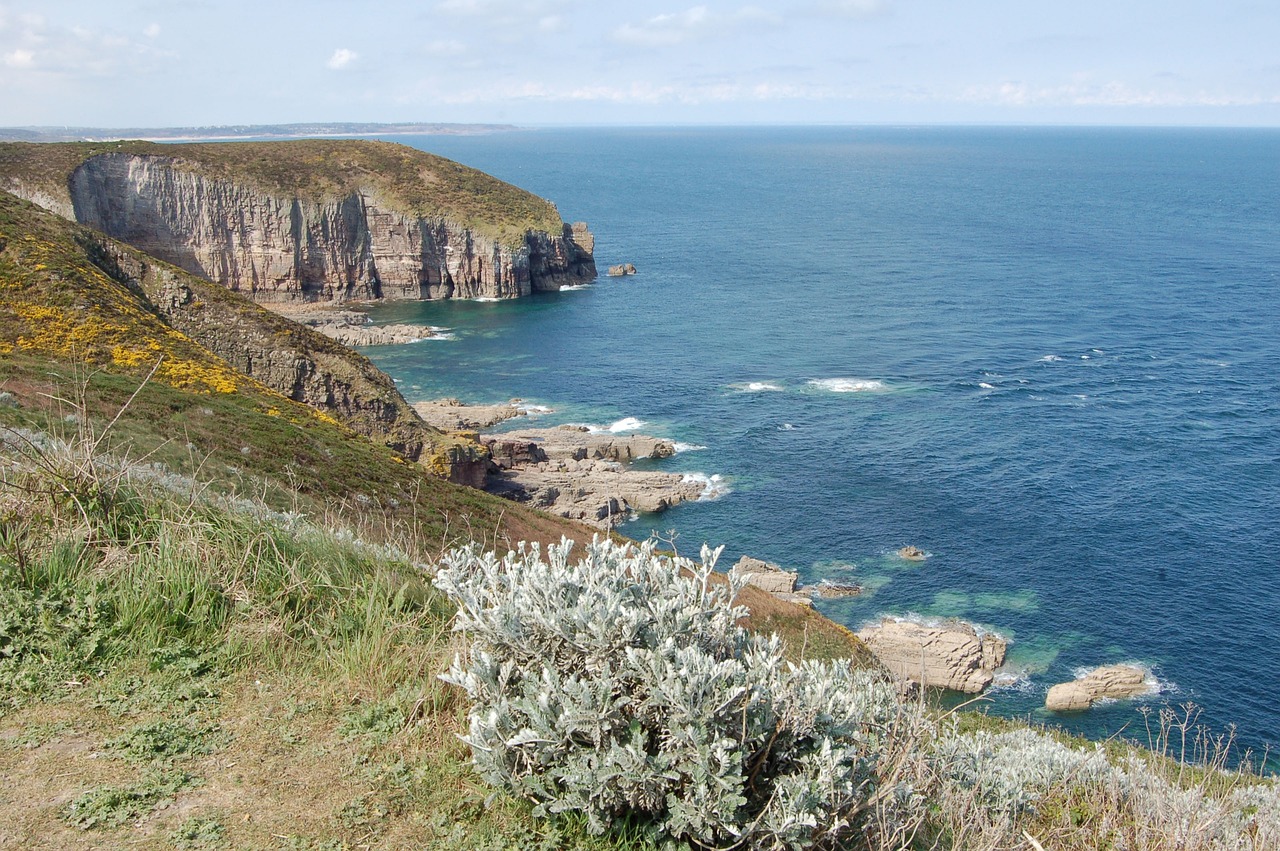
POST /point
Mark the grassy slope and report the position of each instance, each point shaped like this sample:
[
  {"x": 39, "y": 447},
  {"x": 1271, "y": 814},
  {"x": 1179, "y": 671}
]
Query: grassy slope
[
  {"x": 402, "y": 178},
  {"x": 179, "y": 673}
]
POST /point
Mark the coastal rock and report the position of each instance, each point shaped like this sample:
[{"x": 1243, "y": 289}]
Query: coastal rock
[
  {"x": 1113, "y": 681},
  {"x": 602, "y": 493},
  {"x": 351, "y": 328},
  {"x": 278, "y": 249},
  {"x": 764, "y": 575},
  {"x": 912, "y": 553},
  {"x": 453, "y": 415},
  {"x": 621, "y": 270},
  {"x": 953, "y": 655},
  {"x": 580, "y": 443},
  {"x": 584, "y": 475}
]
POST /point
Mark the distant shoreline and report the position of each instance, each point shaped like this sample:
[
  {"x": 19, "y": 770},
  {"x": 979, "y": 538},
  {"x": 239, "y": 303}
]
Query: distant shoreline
[{"x": 233, "y": 132}]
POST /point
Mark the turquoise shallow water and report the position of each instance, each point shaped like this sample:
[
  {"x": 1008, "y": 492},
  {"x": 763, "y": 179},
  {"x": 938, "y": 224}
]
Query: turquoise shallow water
[{"x": 1048, "y": 357}]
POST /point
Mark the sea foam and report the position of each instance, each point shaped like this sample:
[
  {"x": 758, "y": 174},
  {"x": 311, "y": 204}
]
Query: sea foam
[
  {"x": 848, "y": 385},
  {"x": 687, "y": 447},
  {"x": 713, "y": 486},
  {"x": 617, "y": 427},
  {"x": 758, "y": 387}
]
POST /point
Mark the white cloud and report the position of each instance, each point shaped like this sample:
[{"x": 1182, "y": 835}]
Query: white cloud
[
  {"x": 849, "y": 8},
  {"x": 445, "y": 47},
  {"x": 19, "y": 59},
  {"x": 1112, "y": 93},
  {"x": 698, "y": 22},
  {"x": 341, "y": 58},
  {"x": 152, "y": 30}
]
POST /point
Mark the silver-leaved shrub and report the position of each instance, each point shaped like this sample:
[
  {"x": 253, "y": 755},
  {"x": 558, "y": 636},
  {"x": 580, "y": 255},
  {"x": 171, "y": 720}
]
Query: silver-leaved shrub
[{"x": 620, "y": 684}]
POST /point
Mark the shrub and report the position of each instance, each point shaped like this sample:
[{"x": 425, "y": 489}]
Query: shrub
[{"x": 621, "y": 686}]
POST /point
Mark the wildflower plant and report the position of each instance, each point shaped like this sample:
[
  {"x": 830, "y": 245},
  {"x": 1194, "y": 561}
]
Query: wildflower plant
[{"x": 621, "y": 685}]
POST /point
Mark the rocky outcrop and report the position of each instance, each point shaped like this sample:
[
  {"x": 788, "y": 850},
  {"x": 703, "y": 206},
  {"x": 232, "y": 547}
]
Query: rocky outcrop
[
  {"x": 1110, "y": 681},
  {"x": 603, "y": 493},
  {"x": 280, "y": 249},
  {"x": 765, "y": 575},
  {"x": 952, "y": 655},
  {"x": 579, "y": 443},
  {"x": 621, "y": 270},
  {"x": 453, "y": 415},
  {"x": 585, "y": 475},
  {"x": 293, "y": 360},
  {"x": 351, "y": 328}
]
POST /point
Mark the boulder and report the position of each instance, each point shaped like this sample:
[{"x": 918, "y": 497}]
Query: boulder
[
  {"x": 912, "y": 553},
  {"x": 952, "y": 655},
  {"x": 621, "y": 270},
  {"x": 1114, "y": 681},
  {"x": 765, "y": 576}
]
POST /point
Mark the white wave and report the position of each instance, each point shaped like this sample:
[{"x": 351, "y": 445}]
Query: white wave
[
  {"x": 1016, "y": 682},
  {"x": 1050, "y": 359},
  {"x": 442, "y": 334},
  {"x": 786, "y": 427},
  {"x": 713, "y": 486},
  {"x": 758, "y": 387},
  {"x": 985, "y": 386},
  {"x": 573, "y": 288},
  {"x": 616, "y": 427},
  {"x": 625, "y": 424},
  {"x": 534, "y": 410},
  {"x": 848, "y": 385},
  {"x": 687, "y": 447},
  {"x": 485, "y": 298}
]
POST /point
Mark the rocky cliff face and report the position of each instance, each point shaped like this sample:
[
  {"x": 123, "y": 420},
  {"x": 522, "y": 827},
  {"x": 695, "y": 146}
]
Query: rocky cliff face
[
  {"x": 295, "y": 361},
  {"x": 280, "y": 249}
]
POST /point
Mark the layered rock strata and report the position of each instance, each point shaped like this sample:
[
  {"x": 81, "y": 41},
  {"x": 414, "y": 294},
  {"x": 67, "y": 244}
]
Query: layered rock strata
[
  {"x": 280, "y": 249},
  {"x": 1109, "y": 681},
  {"x": 953, "y": 655}
]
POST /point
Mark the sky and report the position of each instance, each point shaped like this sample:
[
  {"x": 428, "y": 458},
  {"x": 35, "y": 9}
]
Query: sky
[{"x": 174, "y": 63}]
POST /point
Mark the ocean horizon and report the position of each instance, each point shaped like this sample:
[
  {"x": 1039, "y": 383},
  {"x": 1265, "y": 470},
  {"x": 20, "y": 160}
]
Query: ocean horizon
[{"x": 1048, "y": 357}]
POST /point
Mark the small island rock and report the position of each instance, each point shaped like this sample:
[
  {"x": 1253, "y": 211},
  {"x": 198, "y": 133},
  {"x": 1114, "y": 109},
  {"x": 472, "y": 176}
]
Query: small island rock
[
  {"x": 621, "y": 270},
  {"x": 1114, "y": 681},
  {"x": 912, "y": 553}
]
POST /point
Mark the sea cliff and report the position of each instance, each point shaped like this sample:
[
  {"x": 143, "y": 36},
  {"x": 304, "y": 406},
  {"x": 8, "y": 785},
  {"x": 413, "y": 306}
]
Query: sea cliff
[{"x": 311, "y": 221}]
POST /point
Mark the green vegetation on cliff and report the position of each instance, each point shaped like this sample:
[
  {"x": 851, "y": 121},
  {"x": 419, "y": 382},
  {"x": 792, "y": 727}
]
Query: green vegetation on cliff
[{"x": 403, "y": 179}]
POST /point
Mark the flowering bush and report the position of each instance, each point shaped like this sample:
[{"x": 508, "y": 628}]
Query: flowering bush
[{"x": 621, "y": 684}]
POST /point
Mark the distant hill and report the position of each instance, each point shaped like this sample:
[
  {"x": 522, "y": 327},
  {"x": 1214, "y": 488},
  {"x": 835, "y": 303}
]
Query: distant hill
[{"x": 244, "y": 131}]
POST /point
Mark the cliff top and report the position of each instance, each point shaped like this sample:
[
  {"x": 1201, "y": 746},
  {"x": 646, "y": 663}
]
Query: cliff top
[{"x": 401, "y": 178}]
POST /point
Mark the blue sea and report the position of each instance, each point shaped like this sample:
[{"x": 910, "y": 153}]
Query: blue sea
[{"x": 1050, "y": 358}]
